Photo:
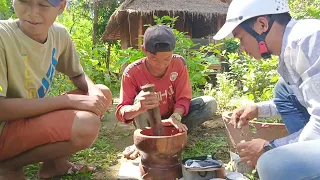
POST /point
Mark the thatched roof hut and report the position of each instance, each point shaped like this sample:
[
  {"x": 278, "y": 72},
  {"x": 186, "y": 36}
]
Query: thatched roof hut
[{"x": 199, "y": 18}]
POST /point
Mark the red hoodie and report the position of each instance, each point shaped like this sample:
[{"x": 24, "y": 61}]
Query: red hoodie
[{"x": 173, "y": 89}]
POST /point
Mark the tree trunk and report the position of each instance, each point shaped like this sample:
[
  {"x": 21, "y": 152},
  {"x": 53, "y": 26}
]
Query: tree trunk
[
  {"x": 108, "y": 57},
  {"x": 95, "y": 22}
]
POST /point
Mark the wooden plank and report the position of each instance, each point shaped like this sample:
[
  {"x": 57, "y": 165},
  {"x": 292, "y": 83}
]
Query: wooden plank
[{"x": 219, "y": 22}]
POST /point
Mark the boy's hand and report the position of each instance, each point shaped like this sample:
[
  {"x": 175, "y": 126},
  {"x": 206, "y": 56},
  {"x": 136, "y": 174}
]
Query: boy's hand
[
  {"x": 146, "y": 100},
  {"x": 104, "y": 99},
  {"x": 93, "y": 103},
  {"x": 97, "y": 92},
  {"x": 177, "y": 124}
]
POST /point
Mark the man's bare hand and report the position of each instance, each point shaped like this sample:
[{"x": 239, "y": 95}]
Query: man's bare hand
[
  {"x": 93, "y": 103},
  {"x": 146, "y": 101},
  {"x": 251, "y": 151},
  {"x": 243, "y": 115},
  {"x": 177, "y": 124}
]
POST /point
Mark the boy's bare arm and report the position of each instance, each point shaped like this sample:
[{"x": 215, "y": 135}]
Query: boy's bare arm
[
  {"x": 83, "y": 82},
  {"x": 17, "y": 108}
]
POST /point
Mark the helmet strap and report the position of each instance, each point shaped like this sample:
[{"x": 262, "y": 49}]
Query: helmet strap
[{"x": 261, "y": 38}]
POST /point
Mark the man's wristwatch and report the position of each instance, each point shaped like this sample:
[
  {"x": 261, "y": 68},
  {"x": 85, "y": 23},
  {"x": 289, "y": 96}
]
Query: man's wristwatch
[
  {"x": 268, "y": 146},
  {"x": 176, "y": 116}
]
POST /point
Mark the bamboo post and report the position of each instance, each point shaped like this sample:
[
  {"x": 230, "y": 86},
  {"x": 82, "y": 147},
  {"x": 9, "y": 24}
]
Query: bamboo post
[
  {"x": 154, "y": 114},
  {"x": 140, "y": 31}
]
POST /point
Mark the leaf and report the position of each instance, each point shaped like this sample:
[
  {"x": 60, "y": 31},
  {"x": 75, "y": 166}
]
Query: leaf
[
  {"x": 147, "y": 25},
  {"x": 94, "y": 62},
  {"x": 216, "y": 51},
  {"x": 213, "y": 60},
  {"x": 123, "y": 60},
  {"x": 274, "y": 78},
  {"x": 251, "y": 97}
]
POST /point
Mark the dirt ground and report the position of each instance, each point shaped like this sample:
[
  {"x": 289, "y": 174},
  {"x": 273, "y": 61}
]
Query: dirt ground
[{"x": 121, "y": 136}]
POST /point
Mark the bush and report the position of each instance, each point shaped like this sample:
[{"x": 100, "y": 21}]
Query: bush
[
  {"x": 255, "y": 78},
  {"x": 224, "y": 92},
  {"x": 248, "y": 81}
]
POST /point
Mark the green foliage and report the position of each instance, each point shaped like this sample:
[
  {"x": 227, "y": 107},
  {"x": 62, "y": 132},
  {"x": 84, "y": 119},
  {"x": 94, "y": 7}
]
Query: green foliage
[
  {"x": 165, "y": 20},
  {"x": 102, "y": 153},
  {"x": 129, "y": 55},
  {"x": 210, "y": 145},
  {"x": 104, "y": 15},
  {"x": 314, "y": 10},
  {"x": 224, "y": 92},
  {"x": 197, "y": 67},
  {"x": 256, "y": 78},
  {"x": 5, "y": 9},
  {"x": 248, "y": 81},
  {"x": 252, "y": 175},
  {"x": 304, "y": 9},
  {"x": 230, "y": 46}
]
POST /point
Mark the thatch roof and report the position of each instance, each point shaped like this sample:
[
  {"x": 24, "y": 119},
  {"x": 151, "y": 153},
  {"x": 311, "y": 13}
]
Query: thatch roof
[{"x": 205, "y": 8}]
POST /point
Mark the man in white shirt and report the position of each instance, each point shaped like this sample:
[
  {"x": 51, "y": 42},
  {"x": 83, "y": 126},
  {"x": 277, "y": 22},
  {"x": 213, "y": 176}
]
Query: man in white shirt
[{"x": 265, "y": 27}]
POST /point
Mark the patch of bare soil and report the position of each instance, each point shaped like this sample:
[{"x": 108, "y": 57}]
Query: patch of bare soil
[{"x": 121, "y": 136}]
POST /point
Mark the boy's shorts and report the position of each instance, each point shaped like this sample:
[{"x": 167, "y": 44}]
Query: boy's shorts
[{"x": 24, "y": 134}]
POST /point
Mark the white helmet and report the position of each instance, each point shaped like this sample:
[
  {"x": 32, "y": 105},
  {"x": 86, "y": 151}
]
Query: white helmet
[{"x": 241, "y": 10}]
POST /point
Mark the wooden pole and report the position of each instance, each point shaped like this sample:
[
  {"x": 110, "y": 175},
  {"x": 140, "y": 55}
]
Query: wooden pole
[
  {"x": 125, "y": 38},
  {"x": 124, "y": 33},
  {"x": 219, "y": 22},
  {"x": 108, "y": 57},
  {"x": 140, "y": 31},
  {"x": 95, "y": 22}
]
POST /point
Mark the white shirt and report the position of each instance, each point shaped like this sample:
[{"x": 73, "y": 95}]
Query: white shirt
[{"x": 299, "y": 66}]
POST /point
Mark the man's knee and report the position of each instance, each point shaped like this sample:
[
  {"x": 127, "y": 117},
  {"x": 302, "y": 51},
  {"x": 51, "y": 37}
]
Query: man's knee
[
  {"x": 106, "y": 91},
  {"x": 211, "y": 105},
  {"x": 264, "y": 163},
  {"x": 273, "y": 162},
  {"x": 85, "y": 129}
]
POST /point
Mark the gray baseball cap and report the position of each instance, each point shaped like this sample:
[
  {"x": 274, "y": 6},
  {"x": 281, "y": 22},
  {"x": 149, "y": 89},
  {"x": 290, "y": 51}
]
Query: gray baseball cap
[
  {"x": 54, "y": 3},
  {"x": 158, "y": 34}
]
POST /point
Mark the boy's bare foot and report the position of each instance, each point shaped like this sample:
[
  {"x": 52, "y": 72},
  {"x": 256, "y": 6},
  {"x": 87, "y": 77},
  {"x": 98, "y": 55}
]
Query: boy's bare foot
[
  {"x": 16, "y": 174},
  {"x": 131, "y": 152},
  {"x": 59, "y": 168}
]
